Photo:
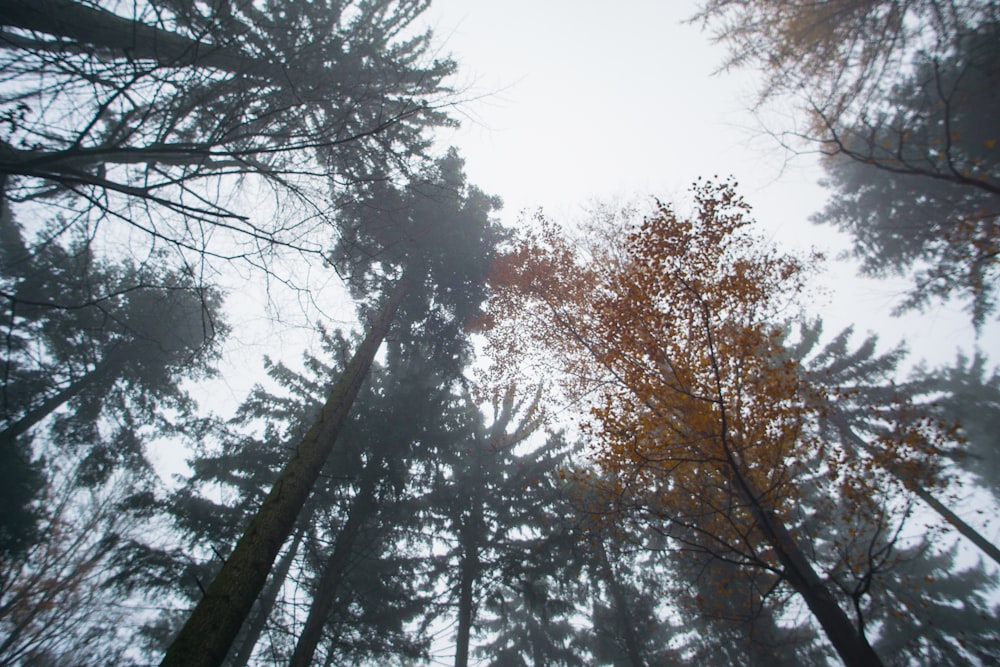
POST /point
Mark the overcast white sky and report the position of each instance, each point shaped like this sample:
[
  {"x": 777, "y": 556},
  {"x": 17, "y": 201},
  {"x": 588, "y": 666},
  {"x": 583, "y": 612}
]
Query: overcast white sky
[{"x": 594, "y": 100}]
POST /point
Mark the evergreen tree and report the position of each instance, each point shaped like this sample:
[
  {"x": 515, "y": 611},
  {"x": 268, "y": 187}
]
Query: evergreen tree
[
  {"x": 140, "y": 113},
  {"x": 927, "y": 610},
  {"x": 373, "y": 576},
  {"x": 482, "y": 500},
  {"x": 731, "y": 615},
  {"x": 95, "y": 374},
  {"x": 862, "y": 407},
  {"x": 916, "y": 179},
  {"x": 628, "y": 627},
  {"x": 969, "y": 394},
  {"x": 428, "y": 249}
]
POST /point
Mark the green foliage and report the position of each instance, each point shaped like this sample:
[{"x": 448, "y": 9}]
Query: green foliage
[
  {"x": 95, "y": 358},
  {"x": 933, "y": 611},
  {"x": 921, "y": 605},
  {"x": 128, "y": 328},
  {"x": 530, "y": 622},
  {"x": 399, "y": 425},
  {"x": 513, "y": 549},
  {"x": 21, "y": 480},
  {"x": 438, "y": 231}
]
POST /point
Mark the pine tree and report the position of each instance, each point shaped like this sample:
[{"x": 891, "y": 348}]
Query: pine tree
[
  {"x": 428, "y": 249},
  {"x": 141, "y": 114}
]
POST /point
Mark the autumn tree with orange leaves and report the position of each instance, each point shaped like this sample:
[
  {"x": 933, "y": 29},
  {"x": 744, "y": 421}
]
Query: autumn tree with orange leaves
[{"x": 671, "y": 332}]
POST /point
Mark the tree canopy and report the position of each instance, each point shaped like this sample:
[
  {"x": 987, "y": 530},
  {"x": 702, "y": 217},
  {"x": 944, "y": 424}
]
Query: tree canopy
[
  {"x": 700, "y": 416},
  {"x": 630, "y": 444}
]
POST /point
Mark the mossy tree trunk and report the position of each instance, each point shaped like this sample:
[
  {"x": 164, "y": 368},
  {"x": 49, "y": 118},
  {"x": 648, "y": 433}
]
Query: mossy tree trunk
[{"x": 212, "y": 627}]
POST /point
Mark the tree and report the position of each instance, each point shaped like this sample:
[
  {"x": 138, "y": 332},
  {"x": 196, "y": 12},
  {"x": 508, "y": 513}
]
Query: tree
[
  {"x": 916, "y": 178},
  {"x": 429, "y": 247},
  {"x": 492, "y": 496},
  {"x": 698, "y": 413},
  {"x": 133, "y": 323},
  {"x": 370, "y": 596},
  {"x": 731, "y": 615},
  {"x": 210, "y": 630},
  {"x": 96, "y": 352},
  {"x": 626, "y": 584},
  {"x": 949, "y": 618},
  {"x": 57, "y": 597},
  {"x": 155, "y": 117},
  {"x": 21, "y": 482},
  {"x": 839, "y": 54},
  {"x": 398, "y": 428},
  {"x": 969, "y": 394},
  {"x": 899, "y": 99},
  {"x": 861, "y": 404}
]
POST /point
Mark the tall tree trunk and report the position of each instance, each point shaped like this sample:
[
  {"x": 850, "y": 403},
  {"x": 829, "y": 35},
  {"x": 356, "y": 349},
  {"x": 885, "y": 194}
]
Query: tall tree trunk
[
  {"x": 469, "y": 573},
  {"x": 621, "y": 606},
  {"x": 848, "y": 640},
  {"x": 362, "y": 508},
  {"x": 472, "y": 531},
  {"x": 103, "y": 370},
  {"x": 961, "y": 526},
  {"x": 208, "y": 633},
  {"x": 270, "y": 595},
  {"x": 536, "y": 629},
  {"x": 850, "y": 643}
]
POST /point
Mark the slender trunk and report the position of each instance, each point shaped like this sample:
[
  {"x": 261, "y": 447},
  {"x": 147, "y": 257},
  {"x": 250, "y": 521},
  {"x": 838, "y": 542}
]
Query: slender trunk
[
  {"x": 474, "y": 528},
  {"x": 621, "y": 606},
  {"x": 362, "y": 508},
  {"x": 329, "y": 657},
  {"x": 850, "y": 643},
  {"x": 470, "y": 532},
  {"x": 206, "y": 637},
  {"x": 270, "y": 595},
  {"x": 468, "y": 574},
  {"x": 848, "y": 639},
  {"x": 536, "y": 632},
  {"x": 961, "y": 526},
  {"x": 104, "y": 369}
]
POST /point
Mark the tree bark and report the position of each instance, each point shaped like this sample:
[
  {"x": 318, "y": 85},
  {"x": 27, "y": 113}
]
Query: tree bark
[
  {"x": 122, "y": 37},
  {"x": 621, "y": 606},
  {"x": 362, "y": 508},
  {"x": 848, "y": 640},
  {"x": 73, "y": 162},
  {"x": 469, "y": 573},
  {"x": 259, "y": 620},
  {"x": 208, "y": 633},
  {"x": 104, "y": 369}
]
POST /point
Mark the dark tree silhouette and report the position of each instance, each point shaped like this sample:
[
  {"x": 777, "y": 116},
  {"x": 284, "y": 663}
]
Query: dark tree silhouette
[
  {"x": 156, "y": 117},
  {"x": 428, "y": 248}
]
